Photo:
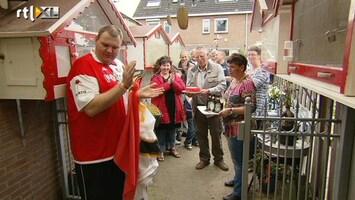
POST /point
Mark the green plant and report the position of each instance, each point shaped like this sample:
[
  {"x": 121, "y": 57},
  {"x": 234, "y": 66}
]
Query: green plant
[
  {"x": 283, "y": 92},
  {"x": 268, "y": 167},
  {"x": 275, "y": 93}
]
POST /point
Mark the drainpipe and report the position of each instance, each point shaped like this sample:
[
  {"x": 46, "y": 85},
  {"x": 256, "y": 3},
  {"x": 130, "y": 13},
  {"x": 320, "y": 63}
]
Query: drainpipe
[
  {"x": 20, "y": 119},
  {"x": 246, "y": 32}
]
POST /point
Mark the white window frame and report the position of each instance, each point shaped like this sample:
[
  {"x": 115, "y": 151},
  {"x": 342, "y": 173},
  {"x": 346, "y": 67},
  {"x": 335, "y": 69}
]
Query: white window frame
[
  {"x": 226, "y": 0},
  {"x": 167, "y": 27},
  {"x": 216, "y": 24},
  {"x": 206, "y": 26},
  {"x": 153, "y": 3},
  {"x": 152, "y": 22}
]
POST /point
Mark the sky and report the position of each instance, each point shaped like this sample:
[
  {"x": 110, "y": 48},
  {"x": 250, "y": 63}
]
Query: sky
[{"x": 128, "y": 7}]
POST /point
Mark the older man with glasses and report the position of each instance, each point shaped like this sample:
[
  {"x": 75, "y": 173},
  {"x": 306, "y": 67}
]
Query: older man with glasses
[{"x": 210, "y": 78}]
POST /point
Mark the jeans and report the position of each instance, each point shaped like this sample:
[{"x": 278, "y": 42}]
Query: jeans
[
  {"x": 236, "y": 150},
  {"x": 166, "y": 139},
  {"x": 191, "y": 132}
]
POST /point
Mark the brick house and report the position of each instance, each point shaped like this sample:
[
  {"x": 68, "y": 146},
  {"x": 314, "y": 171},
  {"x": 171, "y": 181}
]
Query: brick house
[{"x": 221, "y": 24}]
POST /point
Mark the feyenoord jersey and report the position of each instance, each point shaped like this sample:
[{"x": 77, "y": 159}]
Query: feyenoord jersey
[{"x": 93, "y": 139}]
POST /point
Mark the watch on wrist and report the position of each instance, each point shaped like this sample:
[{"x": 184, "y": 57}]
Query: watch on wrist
[
  {"x": 125, "y": 86},
  {"x": 230, "y": 111}
]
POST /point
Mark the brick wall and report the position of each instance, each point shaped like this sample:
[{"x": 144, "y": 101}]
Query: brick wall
[{"x": 30, "y": 171}]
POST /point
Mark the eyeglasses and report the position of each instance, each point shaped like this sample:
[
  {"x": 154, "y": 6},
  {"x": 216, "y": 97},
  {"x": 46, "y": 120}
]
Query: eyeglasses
[
  {"x": 198, "y": 57},
  {"x": 233, "y": 66},
  {"x": 252, "y": 54}
]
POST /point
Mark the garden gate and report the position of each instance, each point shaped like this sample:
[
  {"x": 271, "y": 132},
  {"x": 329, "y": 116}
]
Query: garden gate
[{"x": 297, "y": 162}]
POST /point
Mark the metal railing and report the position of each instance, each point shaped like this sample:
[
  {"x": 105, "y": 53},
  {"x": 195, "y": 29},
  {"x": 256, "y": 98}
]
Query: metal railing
[
  {"x": 69, "y": 184},
  {"x": 296, "y": 163}
]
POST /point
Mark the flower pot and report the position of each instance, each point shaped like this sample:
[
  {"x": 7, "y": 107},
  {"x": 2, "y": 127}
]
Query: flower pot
[
  {"x": 290, "y": 140},
  {"x": 282, "y": 138},
  {"x": 265, "y": 184}
]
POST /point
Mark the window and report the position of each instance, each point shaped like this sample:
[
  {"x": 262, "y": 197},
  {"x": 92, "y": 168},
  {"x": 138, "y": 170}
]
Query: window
[
  {"x": 153, "y": 22},
  {"x": 206, "y": 24},
  {"x": 167, "y": 27},
  {"x": 221, "y": 25},
  {"x": 226, "y": 0},
  {"x": 153, "y": 3}
]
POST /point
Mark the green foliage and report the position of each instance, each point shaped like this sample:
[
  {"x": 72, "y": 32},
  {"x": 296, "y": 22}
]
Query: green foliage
[
  {"x": 283, "y": 92},
  {"x": 243, "y": 53},
  {"x": 270, "y": 167},
  {"x": 275, "y": 93}
]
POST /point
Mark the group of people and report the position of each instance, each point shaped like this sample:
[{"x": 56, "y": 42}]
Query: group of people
[
  {"x": 208, "y": 72},
  {"x": 98, "y": 86}
]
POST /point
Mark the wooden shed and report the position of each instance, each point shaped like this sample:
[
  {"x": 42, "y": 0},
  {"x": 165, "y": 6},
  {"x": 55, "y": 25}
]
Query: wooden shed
[
  {"x": 152, "y": 43},
  {"x": 177, "y": 45},
  {"x": 39, "y": 41}
]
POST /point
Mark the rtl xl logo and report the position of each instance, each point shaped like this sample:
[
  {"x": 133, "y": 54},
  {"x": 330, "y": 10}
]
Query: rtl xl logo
[{"x": 43, "y": 12}]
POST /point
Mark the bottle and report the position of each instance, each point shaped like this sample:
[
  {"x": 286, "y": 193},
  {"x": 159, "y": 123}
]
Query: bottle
[
  {"x": 207, "y": 102},
  {"x": 218, "y": 107},
  {"x": 211, "y": 103}
]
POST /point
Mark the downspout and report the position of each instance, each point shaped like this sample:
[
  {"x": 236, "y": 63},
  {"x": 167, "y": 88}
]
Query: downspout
[
  {"x": 20, "y": 119},
  {"x": 23, "y": 129},
  {"x": 246, "y": 32}
]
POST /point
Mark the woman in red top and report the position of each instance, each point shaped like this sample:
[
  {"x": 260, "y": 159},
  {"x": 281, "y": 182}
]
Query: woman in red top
[{"x": 170, "y": 104}]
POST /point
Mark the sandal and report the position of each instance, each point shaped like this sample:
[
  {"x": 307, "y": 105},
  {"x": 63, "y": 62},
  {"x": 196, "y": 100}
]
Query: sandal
[
  {"x": 160, "y": 157},
  {"x": 174, "y": 153}
]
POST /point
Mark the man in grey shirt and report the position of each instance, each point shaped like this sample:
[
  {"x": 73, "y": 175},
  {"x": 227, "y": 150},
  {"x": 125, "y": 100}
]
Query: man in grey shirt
[{"x": 210, "y": 78}]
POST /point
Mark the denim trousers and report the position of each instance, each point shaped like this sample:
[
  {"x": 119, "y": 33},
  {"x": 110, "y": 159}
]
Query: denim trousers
[
  {"x": 166, "y": 139},
  {"x": 236, "y": 150},
  {"x": 191, "y": 132}
]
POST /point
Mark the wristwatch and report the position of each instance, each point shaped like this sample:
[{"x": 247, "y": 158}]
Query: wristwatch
[{"x": 230, "y": 111}]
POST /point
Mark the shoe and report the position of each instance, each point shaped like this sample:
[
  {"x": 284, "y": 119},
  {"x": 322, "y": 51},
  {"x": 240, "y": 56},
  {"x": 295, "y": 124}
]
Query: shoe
[
  {"x": 201, "y": 165},
  {"x": 195, "y": 144},
  {"x": 232, "y": 197},
  {"x": 221, "y": 165},
  {"x": 183, "y": 134},
  {"x": 188, "y": 146},
  {"x": 174, "y": 153},
  {"x": 177, "y": 142},
  {"x": 229, "y": 183},
  {"x": 160, "y": 157}
]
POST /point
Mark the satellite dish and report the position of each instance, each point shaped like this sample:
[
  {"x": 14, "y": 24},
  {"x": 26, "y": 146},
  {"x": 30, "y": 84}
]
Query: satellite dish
[{"x": 183, "y": 17}]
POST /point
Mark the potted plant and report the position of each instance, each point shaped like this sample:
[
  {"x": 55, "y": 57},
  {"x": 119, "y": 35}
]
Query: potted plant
[
  {"x": 287, "y": 125},
  {"x": 267, "y": 170},
  {"x": 275, "y": 95}
]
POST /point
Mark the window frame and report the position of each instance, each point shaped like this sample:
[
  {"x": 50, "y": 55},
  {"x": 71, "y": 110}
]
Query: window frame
[
  {"x": 152, "y": 22},
  {"x": 153, "y": 3},
  {"x": 222, "y": 1},
  {"x": 206, "y": 24},
  {"x": 216, "y": 25}
]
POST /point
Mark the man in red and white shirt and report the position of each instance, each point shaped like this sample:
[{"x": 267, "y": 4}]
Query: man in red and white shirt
[{"x": 96, "y": 85}]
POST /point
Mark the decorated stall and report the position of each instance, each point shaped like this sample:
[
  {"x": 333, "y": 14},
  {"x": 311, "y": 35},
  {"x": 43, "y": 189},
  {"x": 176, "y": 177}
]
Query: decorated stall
[
  {"x": 40, "y": 40},
  {"x": 152, "y": 43}
]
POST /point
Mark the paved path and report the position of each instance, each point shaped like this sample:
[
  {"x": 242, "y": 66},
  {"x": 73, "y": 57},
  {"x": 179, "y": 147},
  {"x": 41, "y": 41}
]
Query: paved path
[{"x": 177, "y": 178}]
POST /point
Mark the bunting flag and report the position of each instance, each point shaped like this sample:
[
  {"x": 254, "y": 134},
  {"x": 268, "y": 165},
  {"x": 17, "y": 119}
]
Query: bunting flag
[{"x": 127, "y": 151}]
